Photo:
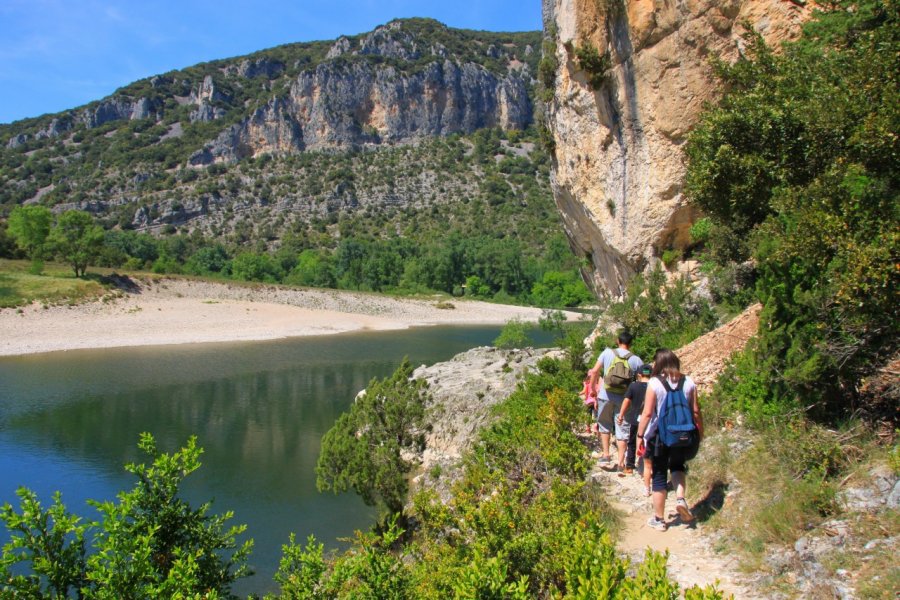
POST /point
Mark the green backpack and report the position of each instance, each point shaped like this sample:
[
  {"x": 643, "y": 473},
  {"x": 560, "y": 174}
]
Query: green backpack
[{"x": 619, "y": 374}]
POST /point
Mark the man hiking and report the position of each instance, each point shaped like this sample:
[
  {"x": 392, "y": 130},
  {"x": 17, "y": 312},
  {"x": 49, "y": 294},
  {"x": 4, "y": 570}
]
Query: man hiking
[{"x": 611, "y": 375}]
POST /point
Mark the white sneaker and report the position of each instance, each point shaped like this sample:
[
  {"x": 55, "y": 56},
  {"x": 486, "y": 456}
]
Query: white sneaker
[
  {"x": 683, "y": 511},
  {"x": 657, "y": 523}
]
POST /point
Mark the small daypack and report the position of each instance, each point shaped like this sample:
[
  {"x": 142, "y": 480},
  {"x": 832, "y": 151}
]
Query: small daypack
[
  {"x": 587, "y": 394},
  {"x": 619, "y": 374},
  {"x": 675, "y": 421}
]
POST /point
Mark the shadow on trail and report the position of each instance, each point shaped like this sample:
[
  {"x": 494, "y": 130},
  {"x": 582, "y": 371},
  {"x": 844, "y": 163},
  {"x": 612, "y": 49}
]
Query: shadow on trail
[{"x": 711, "y": 502}]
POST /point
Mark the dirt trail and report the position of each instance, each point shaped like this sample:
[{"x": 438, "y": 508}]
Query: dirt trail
[{"x": 692, "y": 560}]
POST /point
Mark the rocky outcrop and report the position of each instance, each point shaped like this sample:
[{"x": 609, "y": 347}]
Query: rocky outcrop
[
  {"x": 115, "y": 109},
  {"x": 355, "y": 102},
  {"x": 17, "y": 140},
  {"x": 618, "y": 165},
  {"x": 463, "y": 390}
]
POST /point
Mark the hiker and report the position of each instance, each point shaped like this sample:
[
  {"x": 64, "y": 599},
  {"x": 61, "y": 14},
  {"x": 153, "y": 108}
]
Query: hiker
[
  {"x": 627, "y": 420},
  {"x": 670, "y": 431},
  {"x": 611, "y": 375}
]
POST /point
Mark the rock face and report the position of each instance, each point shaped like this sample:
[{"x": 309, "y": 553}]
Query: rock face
[
  {"x": 463, "y": 390},
  {"x": 385, "y": 88},
  {"x": 618, "y": 166}
]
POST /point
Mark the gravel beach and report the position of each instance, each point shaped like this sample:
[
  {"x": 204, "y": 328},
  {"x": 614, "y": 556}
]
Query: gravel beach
[{"x": 181, "y": 311}]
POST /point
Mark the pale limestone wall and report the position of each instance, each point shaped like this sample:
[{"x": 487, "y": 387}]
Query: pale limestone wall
[{"x": 619, "y": 165}]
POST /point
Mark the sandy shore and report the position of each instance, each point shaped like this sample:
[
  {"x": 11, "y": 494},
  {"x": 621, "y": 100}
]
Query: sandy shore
[{"x": 174, "y": 311}]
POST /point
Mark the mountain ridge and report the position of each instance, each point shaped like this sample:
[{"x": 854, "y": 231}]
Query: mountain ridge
[{"x": 163, "y": 151}]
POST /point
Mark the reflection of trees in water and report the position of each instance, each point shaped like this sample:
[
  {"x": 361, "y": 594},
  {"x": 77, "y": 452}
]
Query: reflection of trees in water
[{"x": 259, "y": 429}]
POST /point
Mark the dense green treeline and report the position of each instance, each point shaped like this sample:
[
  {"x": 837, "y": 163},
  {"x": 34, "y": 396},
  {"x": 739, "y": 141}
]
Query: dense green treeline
[
  {"x": 487, "y": 229},
  {"x": 482, "y": 267}
]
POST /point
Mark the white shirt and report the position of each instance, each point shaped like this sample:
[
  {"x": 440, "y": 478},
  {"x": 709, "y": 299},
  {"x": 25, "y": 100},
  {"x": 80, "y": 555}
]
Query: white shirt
[{"x": 660, "y": 391}]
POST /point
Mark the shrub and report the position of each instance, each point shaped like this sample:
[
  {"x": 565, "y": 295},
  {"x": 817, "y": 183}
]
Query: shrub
[
  {"x": 149, "y": 542},
  {"x": 513, "y": 335}
]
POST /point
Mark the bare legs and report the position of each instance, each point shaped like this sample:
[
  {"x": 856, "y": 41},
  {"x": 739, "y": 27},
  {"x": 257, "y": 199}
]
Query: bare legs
[
  {"x": 604, "y": 443},
  {"x": 659, "y": 498}
]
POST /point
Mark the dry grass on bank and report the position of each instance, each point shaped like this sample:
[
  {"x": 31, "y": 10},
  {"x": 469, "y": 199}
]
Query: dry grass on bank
[{"x": 55, "y": 285}]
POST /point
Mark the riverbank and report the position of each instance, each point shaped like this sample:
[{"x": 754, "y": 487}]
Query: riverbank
[{"x": 161, "y": 311}]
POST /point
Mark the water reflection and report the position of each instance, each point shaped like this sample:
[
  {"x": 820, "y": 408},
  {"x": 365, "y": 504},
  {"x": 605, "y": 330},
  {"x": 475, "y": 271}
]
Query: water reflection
[{"x": 69, "y": 421}]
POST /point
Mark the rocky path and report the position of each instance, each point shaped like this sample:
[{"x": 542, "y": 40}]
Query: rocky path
[{"x": 692, "y": 560}]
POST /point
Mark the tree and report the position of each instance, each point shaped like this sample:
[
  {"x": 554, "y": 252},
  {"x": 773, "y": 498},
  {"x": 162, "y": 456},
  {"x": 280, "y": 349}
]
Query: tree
[
  {"x": 800, "y": 162},
  {"x": 77, "y": 239},
  {"x": 250, "y": 266},
  {"x": 560, "y": 289},
  {"x": 363, "y": 450},
  {"x": 513, "y": 335},
  {"x": 30, "y": 226},
  {"x": 313, "y": 269},
  {"x": 50, "y": 541},
  {"x": 149, "y": 543}
]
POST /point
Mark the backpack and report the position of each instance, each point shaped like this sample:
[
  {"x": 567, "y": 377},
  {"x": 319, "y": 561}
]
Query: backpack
[
  {"x": 619, "y": 374},
  {"x": 675, "y": 422}
]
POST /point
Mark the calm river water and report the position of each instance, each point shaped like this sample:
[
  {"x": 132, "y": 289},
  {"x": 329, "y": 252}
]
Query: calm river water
[{"x": 69, "y": 421}]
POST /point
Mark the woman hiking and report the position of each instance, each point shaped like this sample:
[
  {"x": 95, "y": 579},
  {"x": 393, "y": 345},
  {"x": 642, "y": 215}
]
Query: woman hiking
[{"x": 670, "y": 428}]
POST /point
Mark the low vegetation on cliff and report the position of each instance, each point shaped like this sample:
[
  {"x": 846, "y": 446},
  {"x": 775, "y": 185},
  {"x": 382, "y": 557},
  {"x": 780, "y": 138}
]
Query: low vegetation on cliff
[{"x": 797, "y": 172}]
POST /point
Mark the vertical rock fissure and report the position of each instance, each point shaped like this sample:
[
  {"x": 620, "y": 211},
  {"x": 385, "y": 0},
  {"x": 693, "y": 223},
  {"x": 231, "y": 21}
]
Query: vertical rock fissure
[{"x": 629, "y": 131}]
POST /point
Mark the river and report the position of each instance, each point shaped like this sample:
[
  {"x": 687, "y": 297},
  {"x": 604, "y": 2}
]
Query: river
[{"x": 69, "y": 421}]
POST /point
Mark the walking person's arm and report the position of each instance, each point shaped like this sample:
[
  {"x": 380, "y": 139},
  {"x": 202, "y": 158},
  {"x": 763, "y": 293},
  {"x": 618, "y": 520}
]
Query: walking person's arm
[
  {"x": 649, "y": 407},
  {"x": 695, "y": 407}
]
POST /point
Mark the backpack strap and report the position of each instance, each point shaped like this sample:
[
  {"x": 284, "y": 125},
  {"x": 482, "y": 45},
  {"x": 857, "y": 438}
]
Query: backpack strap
[{"x": 669, "y": 388}]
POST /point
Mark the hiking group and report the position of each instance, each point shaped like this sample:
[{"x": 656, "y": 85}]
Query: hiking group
[{"x": 652, "y": 411}]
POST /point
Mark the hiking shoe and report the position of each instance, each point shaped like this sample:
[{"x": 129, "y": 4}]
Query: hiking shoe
[
  {"x": 684, "y": 512},
  {"x": 656, "y": 523},
  {"x": 628, "y": 471},
  {"x": 604, "y": 460}
]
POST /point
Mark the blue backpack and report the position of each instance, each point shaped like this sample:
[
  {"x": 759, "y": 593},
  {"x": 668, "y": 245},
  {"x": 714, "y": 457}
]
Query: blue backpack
[{"x": 675, "y": 421}]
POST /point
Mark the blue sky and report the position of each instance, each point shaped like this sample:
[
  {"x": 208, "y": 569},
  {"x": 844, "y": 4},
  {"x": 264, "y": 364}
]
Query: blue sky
[{"x": 58, "y": 54}]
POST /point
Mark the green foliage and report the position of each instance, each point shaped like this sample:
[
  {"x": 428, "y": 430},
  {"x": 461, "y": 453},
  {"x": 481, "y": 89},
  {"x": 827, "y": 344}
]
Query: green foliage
[
  {"x": 701, "y": 230},
  {"x": 363, "y": 450},
  {"x": 560, "y": 289},
  {"x": 370, "y": 570},
  {"x": 29, "y": 226},
  {"x": 76, "y": 239},
  {"x": 300, "y": 569},
  {"x": 149, "y": 543},
  {"x": 547, "y": 69},
  {"x": 798, "y": 167},
  {"x": 50, "y": 541},
  {"x": 593, "y": 64},
  {"x": 661, "y": 315},
  {"x": 250, "y": 266},
  {"x": 513, "y": 335},
  {"x": 153, "y": 543}
]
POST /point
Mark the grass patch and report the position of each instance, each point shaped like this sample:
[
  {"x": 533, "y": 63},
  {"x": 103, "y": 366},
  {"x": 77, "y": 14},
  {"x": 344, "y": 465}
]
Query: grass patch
[
  {"x": 56, "y": 285},
  {"x": 786, "y": 475}
]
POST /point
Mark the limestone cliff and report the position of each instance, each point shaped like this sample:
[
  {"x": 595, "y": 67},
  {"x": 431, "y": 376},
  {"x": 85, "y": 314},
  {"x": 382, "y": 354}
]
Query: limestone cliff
[
  {"x": 386, "y": 86},
  {"x": 259, "y": 144},
  {"x": 406, "y": 80},
  {"x": 618, "y": 133}
]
